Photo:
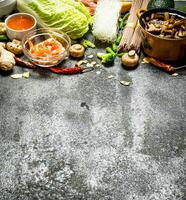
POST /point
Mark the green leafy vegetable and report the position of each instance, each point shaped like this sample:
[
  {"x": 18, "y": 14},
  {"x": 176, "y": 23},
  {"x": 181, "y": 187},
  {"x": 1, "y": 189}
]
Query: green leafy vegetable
[
  {"x": 121, "y": 54},
  {"x": 67, "y": 16},
  {"x": 109, "y": 50},
  {"x": 106, "y": 58},
  {"x": 87, "y": 43}
]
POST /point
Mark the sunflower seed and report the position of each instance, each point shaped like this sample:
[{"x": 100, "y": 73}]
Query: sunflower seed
[
  {"x": 16, "y": 76},
  {"x": 110, "y": 77},
  {"x": 98, "y": 72},
  {"x": 93, "y": 63},
  {"x": 125, "y": 83},
  {"x": 89, "y": 65},
  {"x": 82, "y": 62},
  {"x": 175, "y": 74},
  {"x": 26, "y": 74},
  {"x": 90, "y": 56}
]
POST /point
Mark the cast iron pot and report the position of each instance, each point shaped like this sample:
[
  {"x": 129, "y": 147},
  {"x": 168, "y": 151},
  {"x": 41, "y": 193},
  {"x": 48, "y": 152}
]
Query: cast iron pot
[{"x": 162, "y": 48}]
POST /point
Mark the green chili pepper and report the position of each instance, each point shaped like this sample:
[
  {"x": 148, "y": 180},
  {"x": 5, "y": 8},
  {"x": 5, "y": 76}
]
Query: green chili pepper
[{"x": 3, "y": 38}]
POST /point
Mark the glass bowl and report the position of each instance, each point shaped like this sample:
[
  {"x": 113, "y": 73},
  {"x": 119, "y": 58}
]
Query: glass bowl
[{"x": 46, "y": 47}]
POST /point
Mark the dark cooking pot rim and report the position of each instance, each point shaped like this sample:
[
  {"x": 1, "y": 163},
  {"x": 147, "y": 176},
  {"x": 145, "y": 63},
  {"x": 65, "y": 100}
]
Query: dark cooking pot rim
[{"x": 157, "y": 10}]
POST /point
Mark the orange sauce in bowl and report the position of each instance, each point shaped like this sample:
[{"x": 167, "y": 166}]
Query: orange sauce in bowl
[{"x": 20, "y": 22}]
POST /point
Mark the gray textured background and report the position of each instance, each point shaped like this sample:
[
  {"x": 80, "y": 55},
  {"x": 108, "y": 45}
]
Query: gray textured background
[{"x": 87, "y": 137}]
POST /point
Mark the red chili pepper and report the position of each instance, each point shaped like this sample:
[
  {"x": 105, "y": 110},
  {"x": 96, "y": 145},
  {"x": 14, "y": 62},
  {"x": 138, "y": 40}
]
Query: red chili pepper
[
  {"x": 67, "y": 71},
  {"x": 58, "y": 70},
  {"x": 166, "y": 67},
  {"x": 24, "y": 63}
]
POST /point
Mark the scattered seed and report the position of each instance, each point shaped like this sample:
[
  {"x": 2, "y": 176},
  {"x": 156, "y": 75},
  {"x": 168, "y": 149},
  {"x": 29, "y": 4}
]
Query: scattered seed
[
  {"x": 110, "y": 77},
  {"x": 89, "y": 65},
  {"x": 98, "y": 72},
  {"x": 26, "y": 74},
  {"x": 145, "y": 60},
  {"x": 125, "y": 83},
  {"x": 93, "y": 62},
  {"x": 175, "y": 74},
  {"x": 82, "y": 62},
  {"x": 90, "y": 56},
  {"x": 16, "y": 76}
]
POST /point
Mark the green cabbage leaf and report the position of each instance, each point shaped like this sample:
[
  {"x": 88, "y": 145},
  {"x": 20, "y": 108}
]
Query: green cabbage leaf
[{"x": 67, "y": 16}]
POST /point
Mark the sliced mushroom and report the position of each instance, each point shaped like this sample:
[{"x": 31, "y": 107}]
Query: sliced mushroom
[
  {"x": 180, "y": 33},
  {"x": 179, "y": 23},
  {"x": 152, "y": 29},
  {"x": 173, "y": 32},
  {"x": 166, "y": 16},
  {"x": 157, "y": 16}
]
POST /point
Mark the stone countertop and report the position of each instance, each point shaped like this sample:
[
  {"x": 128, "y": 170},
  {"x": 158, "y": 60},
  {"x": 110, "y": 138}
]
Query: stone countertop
[{"x": 87, "y": 137}]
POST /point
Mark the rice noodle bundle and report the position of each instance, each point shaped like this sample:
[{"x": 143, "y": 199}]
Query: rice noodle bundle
[
  {"x": 106, "y": 19},
  {"x": 130, "y": 26},
  {"x": 137, "y": 36}
]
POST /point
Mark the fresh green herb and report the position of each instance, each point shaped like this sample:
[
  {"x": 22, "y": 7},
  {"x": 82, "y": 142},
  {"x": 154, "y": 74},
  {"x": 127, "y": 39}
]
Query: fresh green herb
[
  {"x": 106, "y": 58},
  {"x": 122, "y": 23},
  {"x": 3, "y": 38},
  {"x": 121, "y": 54},
  {"x": 87, "y": 43},
  {"x": 118, "y": 39},
  {"x": 114, "y": 47}
]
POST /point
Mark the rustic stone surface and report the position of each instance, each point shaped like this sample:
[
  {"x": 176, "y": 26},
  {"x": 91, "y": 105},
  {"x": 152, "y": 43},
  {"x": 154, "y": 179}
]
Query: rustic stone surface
[{"x": 87, "y": 137}]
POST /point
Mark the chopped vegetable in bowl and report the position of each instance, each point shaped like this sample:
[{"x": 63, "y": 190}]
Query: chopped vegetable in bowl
[{"x": 46, "y": 48}]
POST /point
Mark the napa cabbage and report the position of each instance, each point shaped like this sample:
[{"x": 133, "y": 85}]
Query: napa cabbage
[{"x": 67, "y": 16}]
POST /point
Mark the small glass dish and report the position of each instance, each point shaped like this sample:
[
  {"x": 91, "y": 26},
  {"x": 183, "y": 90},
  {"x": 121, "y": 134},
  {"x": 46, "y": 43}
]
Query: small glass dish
[{"x": 38, "y": 47}]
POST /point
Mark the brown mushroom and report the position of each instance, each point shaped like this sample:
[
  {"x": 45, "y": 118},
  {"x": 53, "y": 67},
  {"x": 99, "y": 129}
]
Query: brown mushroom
[
  {"x": 130, "y": 59},
  {"x": 77, "y": 51}
]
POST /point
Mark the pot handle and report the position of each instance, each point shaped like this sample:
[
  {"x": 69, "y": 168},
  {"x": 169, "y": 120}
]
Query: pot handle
[{"x": 140, "y": 11}]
